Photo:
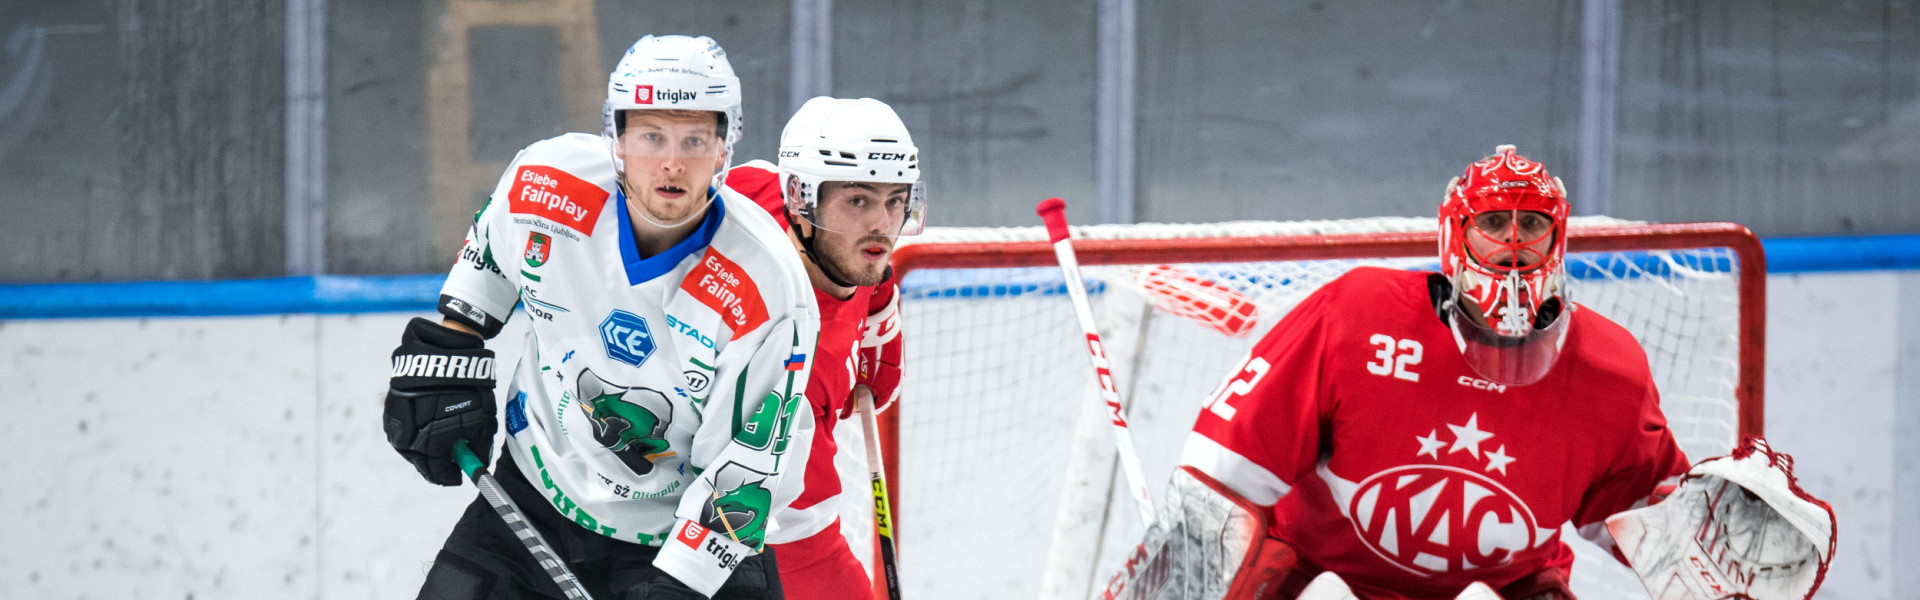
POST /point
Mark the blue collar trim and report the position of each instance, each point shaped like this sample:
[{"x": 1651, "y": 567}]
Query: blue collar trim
[{"x": 642, "y": 270}]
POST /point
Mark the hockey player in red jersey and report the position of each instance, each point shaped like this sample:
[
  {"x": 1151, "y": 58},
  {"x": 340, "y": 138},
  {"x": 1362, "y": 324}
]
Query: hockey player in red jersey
[
  {"x": 847, "y": 186},
  {"x": 1417, "y": 432}
]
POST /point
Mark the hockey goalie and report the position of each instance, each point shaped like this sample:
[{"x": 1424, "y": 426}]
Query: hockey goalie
[{"x": 1403, "y": 434}]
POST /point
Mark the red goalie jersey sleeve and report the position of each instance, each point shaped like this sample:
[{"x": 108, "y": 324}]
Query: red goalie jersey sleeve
[
  {"x": 1390, "y": 461},
  {"x": 1650, "y": 463},
  {"x": 1259, "y": 432}
]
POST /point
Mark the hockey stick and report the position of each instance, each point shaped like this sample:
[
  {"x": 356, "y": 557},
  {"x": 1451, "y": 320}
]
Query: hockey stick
[
  {"x": 1053, "y": 211},
  {"x": 882, "y": 508},
  {"x": 517, "y": 521}
]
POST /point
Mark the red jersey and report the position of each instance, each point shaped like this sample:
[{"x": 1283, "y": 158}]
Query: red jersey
[
  {"x": 1389, "y": 461},
  {"x": 859, "y": 344}
]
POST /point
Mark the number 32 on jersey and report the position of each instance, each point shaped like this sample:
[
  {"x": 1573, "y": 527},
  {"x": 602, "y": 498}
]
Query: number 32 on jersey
[{"x": 1394, "y": 356}]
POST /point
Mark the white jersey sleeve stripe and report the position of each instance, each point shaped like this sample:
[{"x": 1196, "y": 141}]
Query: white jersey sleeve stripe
[{"x": 1251, "y": 481}]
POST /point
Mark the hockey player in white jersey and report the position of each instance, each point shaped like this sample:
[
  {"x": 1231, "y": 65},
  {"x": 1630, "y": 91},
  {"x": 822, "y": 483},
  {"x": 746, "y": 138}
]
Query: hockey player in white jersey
[{"x": 660, "y": 398}]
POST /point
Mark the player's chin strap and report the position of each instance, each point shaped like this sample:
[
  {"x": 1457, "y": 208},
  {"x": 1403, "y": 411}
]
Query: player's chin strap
[
  {"x": 1440, "y": 294},
  {"x": 806, "y": 247}
]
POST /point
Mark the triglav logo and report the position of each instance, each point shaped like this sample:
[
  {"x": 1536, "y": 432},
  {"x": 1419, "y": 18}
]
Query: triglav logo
[
  {"x": 645, "y": 94},
  {"x": 675, "y": 96}
]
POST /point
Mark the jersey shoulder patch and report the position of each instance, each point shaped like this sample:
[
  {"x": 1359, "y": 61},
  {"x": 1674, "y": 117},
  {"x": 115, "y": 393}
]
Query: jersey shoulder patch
[
  {"x": 723, "y": 286},
  {"x": 566, "y": 180}
]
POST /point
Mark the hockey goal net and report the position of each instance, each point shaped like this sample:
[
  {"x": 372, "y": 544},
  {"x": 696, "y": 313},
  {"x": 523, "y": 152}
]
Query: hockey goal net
[{"x": 1003, "y": 474}]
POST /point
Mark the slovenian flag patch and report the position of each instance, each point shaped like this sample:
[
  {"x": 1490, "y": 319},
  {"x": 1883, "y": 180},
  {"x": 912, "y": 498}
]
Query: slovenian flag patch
[{"x": 796, "y": 362}]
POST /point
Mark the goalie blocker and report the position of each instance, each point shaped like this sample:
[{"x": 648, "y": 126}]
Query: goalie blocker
[{"x": 1206, "y": 542}]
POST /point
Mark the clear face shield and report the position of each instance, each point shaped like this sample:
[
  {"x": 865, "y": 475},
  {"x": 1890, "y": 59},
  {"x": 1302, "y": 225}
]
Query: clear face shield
[
  {"x": 695, "y": 144},
  {"x": 1519, "y": 346},
  {"x": 688, "y": 141},
  {"x": 863, "y": 208}
]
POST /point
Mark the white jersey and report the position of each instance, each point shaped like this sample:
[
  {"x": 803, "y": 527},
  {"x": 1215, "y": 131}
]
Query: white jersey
[{"x": 654, "y": 393}]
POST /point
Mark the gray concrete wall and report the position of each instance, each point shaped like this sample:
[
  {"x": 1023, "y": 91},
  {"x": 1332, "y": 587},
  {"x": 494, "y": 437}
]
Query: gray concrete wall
[
  {"x": 1799, "y": 121},
  {"x": 997, "y": 93},
  {"x": 145, "y": 140},
  {"x": 1323, "y": 110},
  {"x": 141, "y": 140}
]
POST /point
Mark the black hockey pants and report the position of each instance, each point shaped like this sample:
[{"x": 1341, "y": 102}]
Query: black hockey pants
[{"x": 482, "y": 559}]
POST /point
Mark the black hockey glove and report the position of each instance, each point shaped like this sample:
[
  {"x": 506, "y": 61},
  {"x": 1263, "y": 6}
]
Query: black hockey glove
[{"x": 441, "y": 391}]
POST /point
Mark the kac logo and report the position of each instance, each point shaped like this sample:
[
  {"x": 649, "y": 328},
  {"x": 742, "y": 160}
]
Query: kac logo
[
  {"x": 627, "y": 338},
  {"x": 1434, "y": 519}
]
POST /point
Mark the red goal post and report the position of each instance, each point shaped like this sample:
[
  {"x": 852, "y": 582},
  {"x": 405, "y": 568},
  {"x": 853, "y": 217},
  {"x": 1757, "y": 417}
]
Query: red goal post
[{"x": 1027, "y": 247}]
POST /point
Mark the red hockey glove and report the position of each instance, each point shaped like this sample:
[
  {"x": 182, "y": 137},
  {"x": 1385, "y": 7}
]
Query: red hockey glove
[{"x": 878, "y": 366}]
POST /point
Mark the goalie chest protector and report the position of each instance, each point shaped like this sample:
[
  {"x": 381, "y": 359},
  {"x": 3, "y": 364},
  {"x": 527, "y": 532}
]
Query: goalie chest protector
[{"x": 1396, "y": 466}]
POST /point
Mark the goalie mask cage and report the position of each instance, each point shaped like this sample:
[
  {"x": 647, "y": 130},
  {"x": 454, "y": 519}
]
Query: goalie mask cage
[{"x": 1002, "y": 468}]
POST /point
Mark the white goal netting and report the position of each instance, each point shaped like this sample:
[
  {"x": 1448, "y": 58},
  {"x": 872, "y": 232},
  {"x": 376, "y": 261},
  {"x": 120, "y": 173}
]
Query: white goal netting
[{"x": 1007, "y": 485}]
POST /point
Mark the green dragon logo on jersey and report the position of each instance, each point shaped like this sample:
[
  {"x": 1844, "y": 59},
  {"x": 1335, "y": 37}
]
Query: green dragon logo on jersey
[
  {"x": 741, "y": 510},
  {"x": 632, "y": 422}
]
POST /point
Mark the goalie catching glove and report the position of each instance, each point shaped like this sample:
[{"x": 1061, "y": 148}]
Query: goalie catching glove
[
  {"x": 1737, "y": 526},
  {"x": 441, "y": 392}
]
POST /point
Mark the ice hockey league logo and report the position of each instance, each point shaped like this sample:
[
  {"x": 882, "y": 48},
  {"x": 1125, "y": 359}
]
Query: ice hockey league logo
[{"x": 1431, "y": 519}]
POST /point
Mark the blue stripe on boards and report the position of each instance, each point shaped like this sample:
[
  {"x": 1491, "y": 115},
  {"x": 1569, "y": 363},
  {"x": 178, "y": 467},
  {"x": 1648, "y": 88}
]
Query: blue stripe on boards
[
  {"x": 393, "y": 293},
  {"x": 322, "y": 294}
]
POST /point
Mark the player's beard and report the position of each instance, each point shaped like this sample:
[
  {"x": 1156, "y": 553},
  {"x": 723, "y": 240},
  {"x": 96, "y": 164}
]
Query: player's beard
[
  {"x": 844, "y": 261},
  {"x": 670, "y": 198}
]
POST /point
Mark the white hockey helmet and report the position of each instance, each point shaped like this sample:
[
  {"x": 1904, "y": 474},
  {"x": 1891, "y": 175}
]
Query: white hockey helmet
[
  {"x": 672, "y": 72},
  {"x": 837, "y": 139}
]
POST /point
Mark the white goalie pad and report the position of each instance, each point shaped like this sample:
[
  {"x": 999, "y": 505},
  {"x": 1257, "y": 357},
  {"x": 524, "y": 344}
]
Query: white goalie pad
[
  {"x": 1327, "y": 586},
  {"x": 1738, "y": 526},
  {"x": 1202, "y": 537}
]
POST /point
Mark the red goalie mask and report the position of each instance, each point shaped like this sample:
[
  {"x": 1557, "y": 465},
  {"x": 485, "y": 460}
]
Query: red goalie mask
[{"x": 1503, "y": 239}]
